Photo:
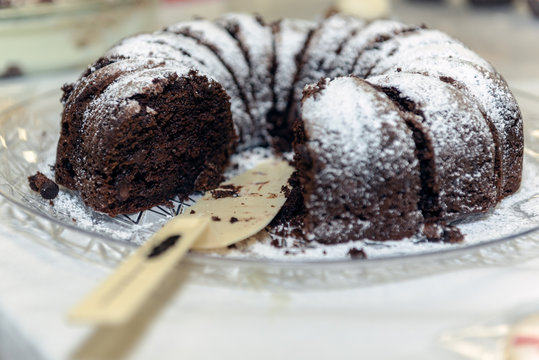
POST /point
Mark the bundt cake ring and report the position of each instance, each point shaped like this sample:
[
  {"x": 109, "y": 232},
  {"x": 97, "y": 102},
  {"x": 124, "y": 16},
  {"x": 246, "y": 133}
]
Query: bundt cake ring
[{"x": 396, "y": 129}]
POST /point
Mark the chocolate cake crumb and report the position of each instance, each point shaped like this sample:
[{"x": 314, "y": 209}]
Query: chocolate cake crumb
[
  {"x": 441, "y": 232},
  {"x": 233, "y": 220},
  {"x": 51, "y": 203},
  {"x": 224, "y": 191},
  {"x": 67, "y": 89},
  {"x": 216, "y": 218},
  {"x": 357, "y": 254},
  {"x": 277, "y": 243},
  {"x": 432, "y": 231},
  {"x": 293, "y": 209},
  {"x": 314, "y": 89},
  {"x": 192, "y": 212},
  {"x": 219, "y": 194},
  {"x": 452, "y": 235},
  {"x": 42, "y": 184},
  {"x": 285, "y": 190}
]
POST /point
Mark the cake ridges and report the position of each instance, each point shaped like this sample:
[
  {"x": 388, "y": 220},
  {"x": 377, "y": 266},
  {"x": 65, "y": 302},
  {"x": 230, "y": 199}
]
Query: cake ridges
[
  {"x": 462, "y": 143},
  {"x": 236, "y": 58}
]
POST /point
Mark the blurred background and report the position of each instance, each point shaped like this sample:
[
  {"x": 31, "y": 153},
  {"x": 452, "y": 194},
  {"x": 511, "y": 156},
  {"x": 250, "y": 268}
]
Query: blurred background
[{"x": 38, "y": 36}]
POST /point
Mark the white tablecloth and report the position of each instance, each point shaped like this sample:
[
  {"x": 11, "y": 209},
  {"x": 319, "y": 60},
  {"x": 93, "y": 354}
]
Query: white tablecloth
[{"x": 188, "y": 319}]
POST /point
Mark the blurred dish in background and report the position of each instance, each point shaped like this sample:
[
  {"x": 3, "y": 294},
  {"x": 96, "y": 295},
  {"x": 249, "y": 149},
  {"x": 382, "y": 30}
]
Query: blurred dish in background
[
  {"x": 38, "y": 36},
  {"x": 490, "y": 2},
  {"x": 17, "y": 3},
  {"x": 172, "y": 11},
  {"x": 371, "y": 9}
]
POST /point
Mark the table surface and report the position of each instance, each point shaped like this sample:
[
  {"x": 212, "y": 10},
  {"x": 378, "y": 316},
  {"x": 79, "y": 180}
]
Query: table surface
[{"x": 198, "y": 320}]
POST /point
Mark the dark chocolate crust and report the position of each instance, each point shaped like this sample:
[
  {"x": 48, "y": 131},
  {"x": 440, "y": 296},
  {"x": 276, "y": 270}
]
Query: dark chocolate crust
[{"x": 47, "y": 188}]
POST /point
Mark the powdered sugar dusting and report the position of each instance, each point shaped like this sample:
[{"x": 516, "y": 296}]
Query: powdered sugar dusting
[
  {"x": 115, "y": 68},
  {"x": 514, "y": 214},
  {"x": 490, "y": 92},
  {"x": 118, "y": 93},
  {"x": 378, "y": 53},
  {"x": 463, "y": 146},
  {"x": 145, "y": 46},
  {"x": 227, "y": 48},
  {"x": 357, "y": 141},
  {"x": 356, "y": 44},
  {"x": 172, "y": 47},
  {"x": 354, "y": 115},
  {"x": 256, "y": 40},
  {"x": 217, "y": 38},
  {"x": 321, "y": 53},
  {"x": 416, "y": 48},
  {"x": 289, "y": 40}
]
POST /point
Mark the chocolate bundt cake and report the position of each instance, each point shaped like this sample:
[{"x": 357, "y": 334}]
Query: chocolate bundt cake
[{"x": 395, "y": 127}]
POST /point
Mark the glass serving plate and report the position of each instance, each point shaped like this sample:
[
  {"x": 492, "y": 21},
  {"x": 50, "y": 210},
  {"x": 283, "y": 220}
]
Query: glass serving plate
[{"x": 28, "y": 136}]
